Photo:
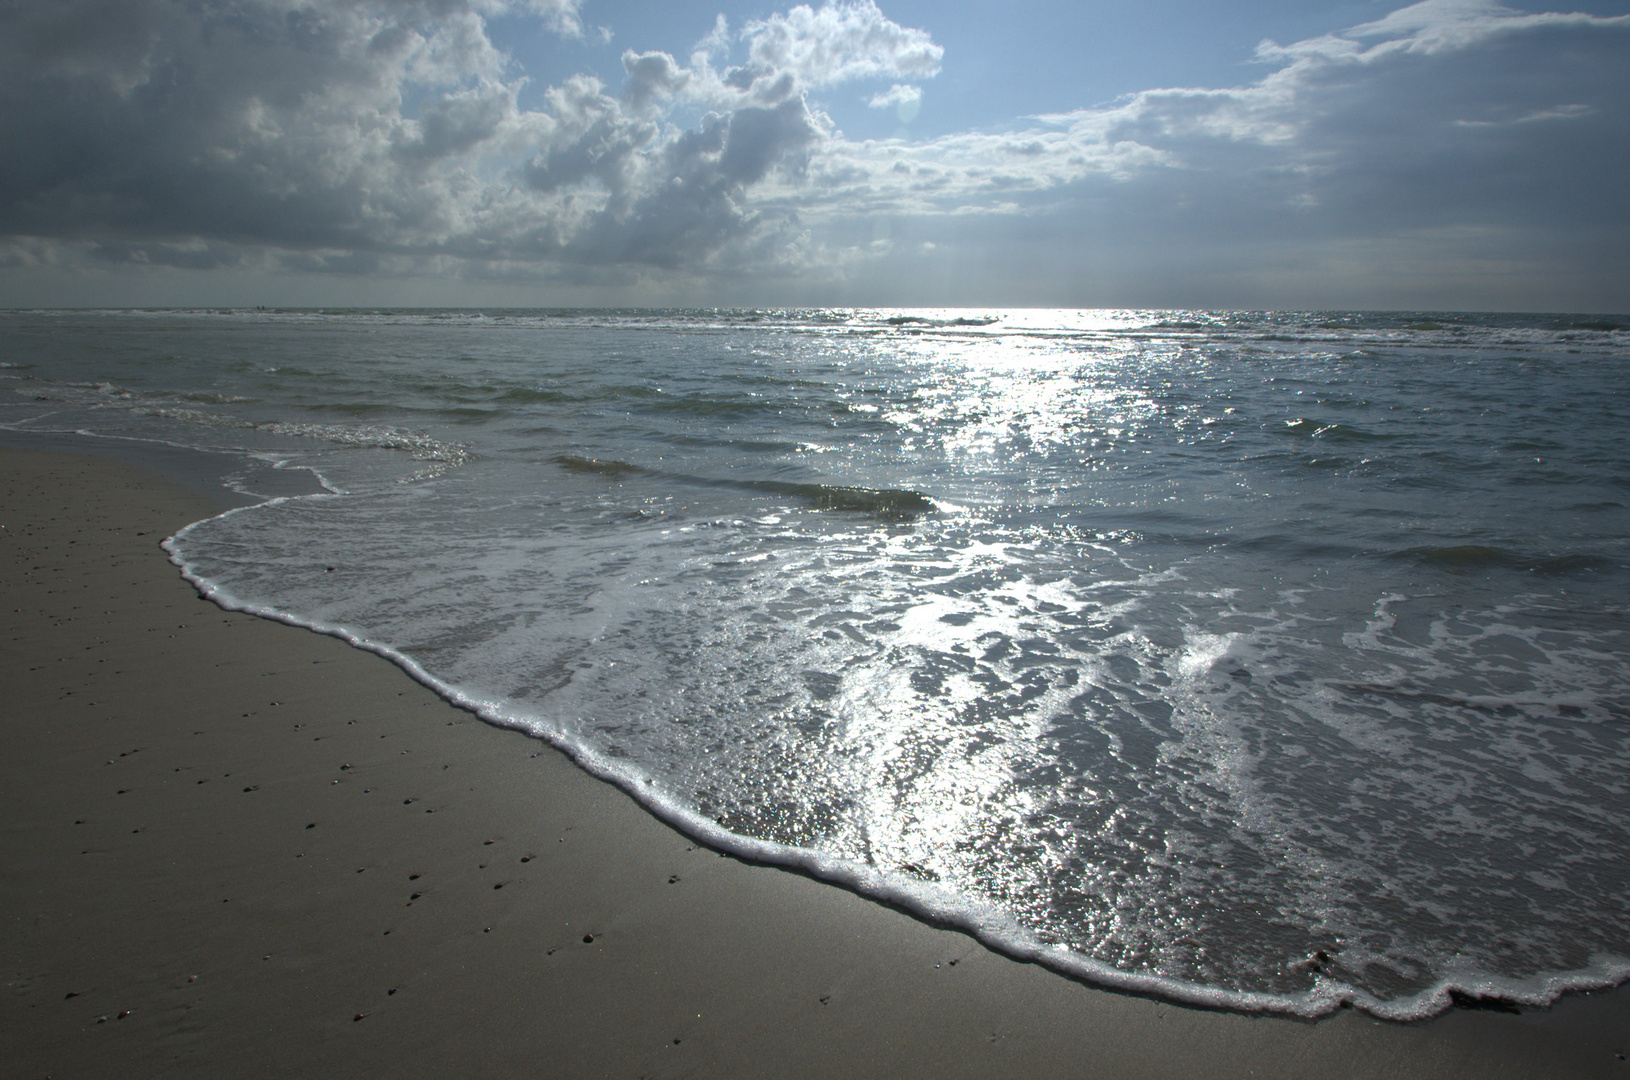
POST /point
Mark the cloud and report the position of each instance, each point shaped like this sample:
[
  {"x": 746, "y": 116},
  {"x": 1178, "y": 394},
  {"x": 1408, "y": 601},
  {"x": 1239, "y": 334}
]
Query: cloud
[
  {"x": 896, "y": 95},
  {"x": 560, "y": 16},
  {"x": 839, "y": 43},
  {"x": 387, "y": 137},
  {"x": 1438, "y": 25},
  {"x": 787, "y": 55},
  {"x": 653, "y": 78},
  {"x": 171, "y": 128},
  {"x": 1483, "y": 143},
  {"x": 906, "y": 101}
]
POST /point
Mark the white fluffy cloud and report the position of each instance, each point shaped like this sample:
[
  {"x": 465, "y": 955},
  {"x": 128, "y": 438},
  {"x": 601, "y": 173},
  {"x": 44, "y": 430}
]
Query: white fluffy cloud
[
  {"x": 839, "y": 43},
  {"x": 387, "y": 136}
]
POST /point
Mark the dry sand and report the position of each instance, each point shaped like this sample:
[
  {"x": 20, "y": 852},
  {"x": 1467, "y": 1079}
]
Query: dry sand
[{"x": 232, "y": 847}]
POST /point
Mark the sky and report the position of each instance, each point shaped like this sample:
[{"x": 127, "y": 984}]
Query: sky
[{"x": 1445, "y": 155}]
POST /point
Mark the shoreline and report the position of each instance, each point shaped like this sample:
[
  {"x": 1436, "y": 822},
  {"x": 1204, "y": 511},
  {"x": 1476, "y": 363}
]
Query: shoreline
[{"x": 243, "y": 835}]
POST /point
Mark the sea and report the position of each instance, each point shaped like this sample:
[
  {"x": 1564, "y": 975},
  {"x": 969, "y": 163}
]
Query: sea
[{"x": 1272, "y": 661}]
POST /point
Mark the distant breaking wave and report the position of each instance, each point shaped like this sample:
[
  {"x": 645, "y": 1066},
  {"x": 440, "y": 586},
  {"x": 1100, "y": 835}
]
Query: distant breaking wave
[{"x": 918, "y": 320}]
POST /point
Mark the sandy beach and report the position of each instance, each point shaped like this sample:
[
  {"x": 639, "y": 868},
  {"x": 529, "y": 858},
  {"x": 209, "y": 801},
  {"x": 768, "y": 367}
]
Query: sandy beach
[{"x": 230, "y": 846}]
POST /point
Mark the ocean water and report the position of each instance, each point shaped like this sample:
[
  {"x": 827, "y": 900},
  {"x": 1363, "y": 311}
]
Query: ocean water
[{"x": 1272, "y": 661}]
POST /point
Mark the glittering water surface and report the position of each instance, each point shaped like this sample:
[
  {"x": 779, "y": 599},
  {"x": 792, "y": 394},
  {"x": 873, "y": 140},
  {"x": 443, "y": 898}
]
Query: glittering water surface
[{"x": 1259, "y": 659}]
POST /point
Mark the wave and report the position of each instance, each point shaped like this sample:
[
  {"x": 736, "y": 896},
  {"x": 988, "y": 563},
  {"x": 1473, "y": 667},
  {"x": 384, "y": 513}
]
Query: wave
[
  {"x": 1536, "y": 706},
  {"x": 1471, "y": 557},
  {"x": 594, "y": 466},
  {"x": 1315, "y": 429},
  {"x": 530, "y": 395},
  {"x": 752, "y": 446},
  {"x": 911, "y": 889},
  {"x": 351, "y": 408},
  {"x": 918, "y": 320},
  {"x": 892, "y": 503},
  {"x": 884, "y": 502}
]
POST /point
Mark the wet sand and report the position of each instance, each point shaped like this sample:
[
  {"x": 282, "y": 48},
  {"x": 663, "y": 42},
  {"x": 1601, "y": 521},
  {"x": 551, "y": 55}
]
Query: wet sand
[{"x": 229, "y": 846}]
